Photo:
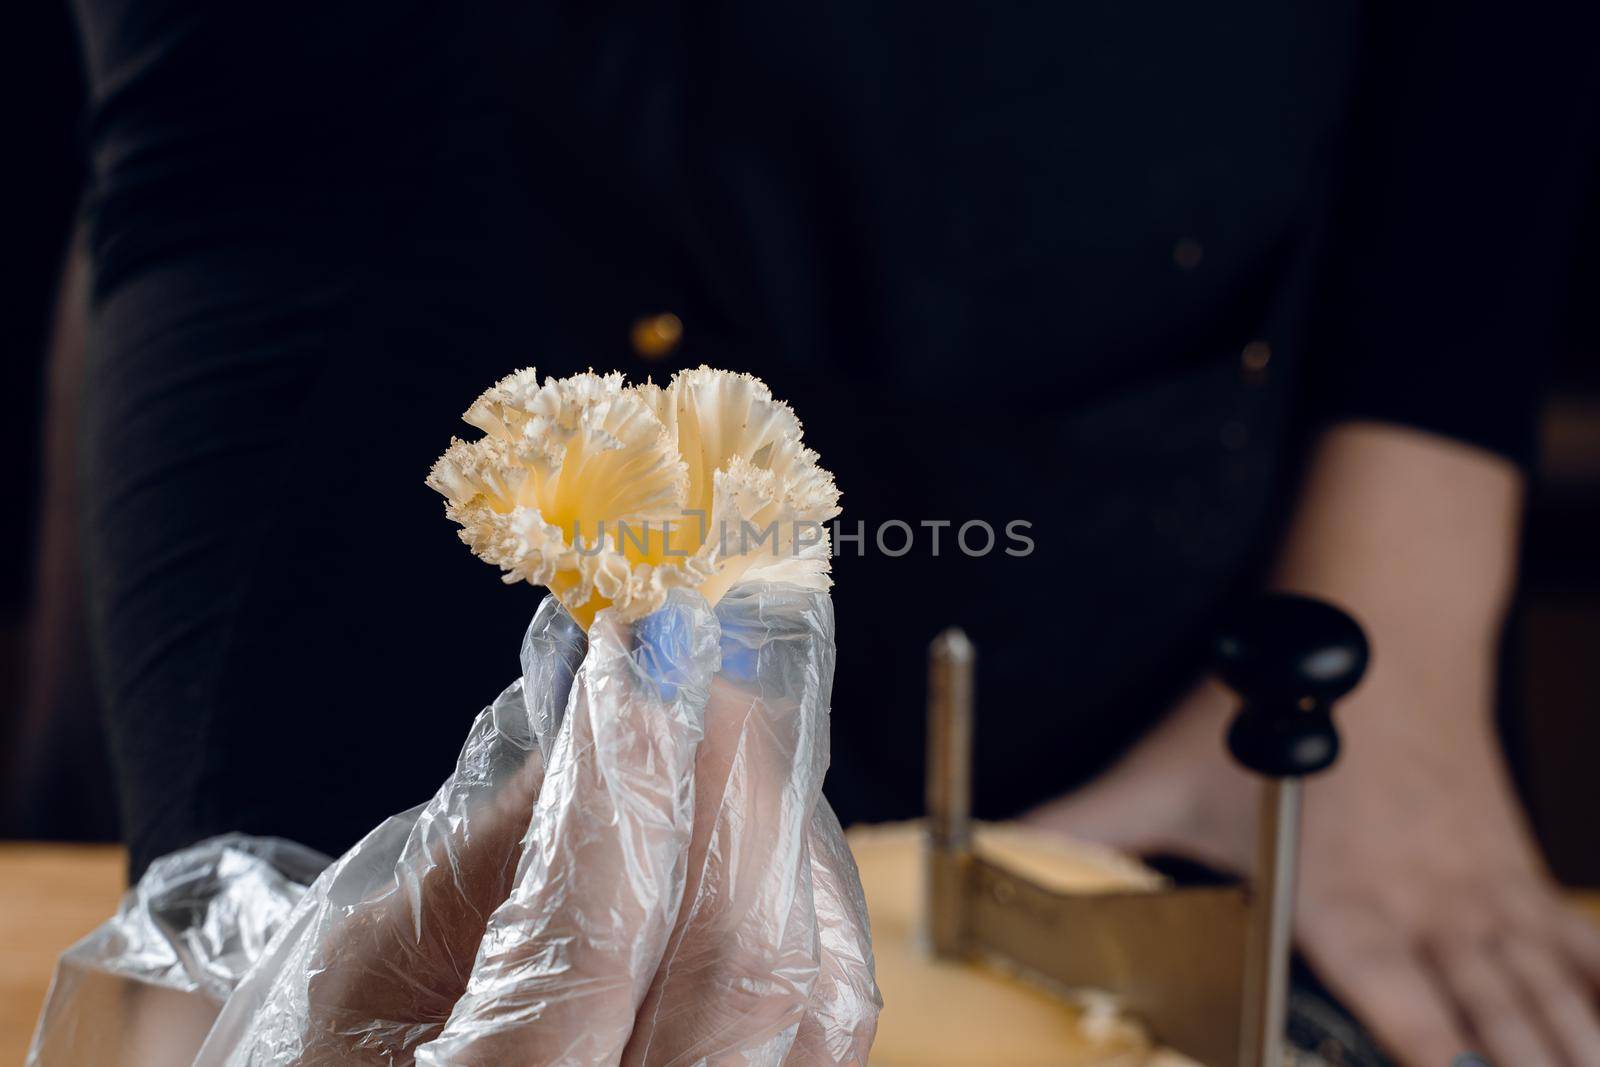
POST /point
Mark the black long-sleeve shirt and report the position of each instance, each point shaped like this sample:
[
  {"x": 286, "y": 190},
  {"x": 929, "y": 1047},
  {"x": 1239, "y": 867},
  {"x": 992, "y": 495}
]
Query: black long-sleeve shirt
[{"x": 1100, "y": 267}]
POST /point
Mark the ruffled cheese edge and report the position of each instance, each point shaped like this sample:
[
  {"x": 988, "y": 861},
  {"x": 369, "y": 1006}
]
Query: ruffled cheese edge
[{"x": 712, "y": 448}]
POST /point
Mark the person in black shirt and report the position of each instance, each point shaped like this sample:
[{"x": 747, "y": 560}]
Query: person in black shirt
[{"x": 1212, "y": 298}]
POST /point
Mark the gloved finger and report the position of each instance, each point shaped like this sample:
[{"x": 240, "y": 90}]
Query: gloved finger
[
  {"x": 383, "y": 943},
  {"x": 552, "y": 651},
  {"x": 742, "y": 962},
  {"x": 378, "y": 950},
  {"x": 842, "y": 1017},
  {"x": 568, "y": 956},
  {"x": 458, "y": 862}
]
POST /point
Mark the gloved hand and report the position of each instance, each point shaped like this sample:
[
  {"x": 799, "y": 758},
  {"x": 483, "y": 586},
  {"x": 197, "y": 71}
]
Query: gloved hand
[
  {"x": 630, "y": 863},
  {"x": 771, "y": 889}
]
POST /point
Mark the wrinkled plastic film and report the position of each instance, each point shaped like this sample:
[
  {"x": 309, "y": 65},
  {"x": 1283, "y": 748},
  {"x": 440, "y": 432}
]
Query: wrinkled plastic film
[
  {"x": 144, "y": 987},
  {"x": 842, "y": 1017},
  {"x": 552, "y": 651},
  {"x": 380, "y": 950},
  {"x": 743, "y": 959},
  {"x": 630, "y": 863},
  {"x": 567, "y": 957}
]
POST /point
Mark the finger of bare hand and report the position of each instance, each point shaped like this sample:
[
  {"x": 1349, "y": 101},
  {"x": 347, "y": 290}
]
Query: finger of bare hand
[
  {"x": 1369, "y": 963},
  {"x": 1579, "y": 938},
  {"x": 1557, "y": 995},
  {"x": 1495, "y": 1004}
]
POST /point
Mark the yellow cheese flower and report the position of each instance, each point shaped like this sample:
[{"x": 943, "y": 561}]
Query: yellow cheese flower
[{"x": 609, "y": 494}]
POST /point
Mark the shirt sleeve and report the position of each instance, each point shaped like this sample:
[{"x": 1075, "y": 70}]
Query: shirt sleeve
[{"x": 1468, "y": 170}]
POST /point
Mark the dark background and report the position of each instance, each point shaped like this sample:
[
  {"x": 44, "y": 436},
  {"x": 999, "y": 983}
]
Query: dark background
[{"x": 54, "y": 774}]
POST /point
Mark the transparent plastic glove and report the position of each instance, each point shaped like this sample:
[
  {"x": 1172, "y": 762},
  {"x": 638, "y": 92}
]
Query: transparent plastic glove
[
  {"x": 670, "y": 890},
  {"x": 841, "y": 1018},
  {"x": 407, "y": 927},
  {"x": 372, "y": 962},
  {"x": 743, "y": 962},
  {"x": 144, "y": 987},
  {"x": 762, "y": 944},
  {"x": 568, "y": 955}
]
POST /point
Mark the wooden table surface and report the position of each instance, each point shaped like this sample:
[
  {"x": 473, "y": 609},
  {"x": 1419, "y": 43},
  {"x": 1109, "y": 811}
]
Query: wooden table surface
[{"x": 51, "y": 895}]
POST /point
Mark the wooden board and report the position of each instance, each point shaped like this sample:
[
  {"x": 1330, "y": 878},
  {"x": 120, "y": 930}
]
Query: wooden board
[{"x": 50, "y": 896}]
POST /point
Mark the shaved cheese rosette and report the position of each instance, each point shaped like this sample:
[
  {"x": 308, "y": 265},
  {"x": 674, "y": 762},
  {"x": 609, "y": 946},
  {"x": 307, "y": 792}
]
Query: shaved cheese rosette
[{"x": 609, "y": 494}]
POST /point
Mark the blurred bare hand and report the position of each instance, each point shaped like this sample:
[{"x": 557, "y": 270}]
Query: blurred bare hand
[{"x": 1423, "y": 903}]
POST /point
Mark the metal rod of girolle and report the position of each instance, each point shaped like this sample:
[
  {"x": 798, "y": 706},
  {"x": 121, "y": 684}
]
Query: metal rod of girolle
[
  {"x": 1266, "y": 991},
  {"x": 1289, "y": 657},
  {"x": 949, "y": 789}
]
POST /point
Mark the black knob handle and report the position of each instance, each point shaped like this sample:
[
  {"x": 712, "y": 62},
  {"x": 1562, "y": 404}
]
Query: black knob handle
[{"x": 1289, "y": 658}]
